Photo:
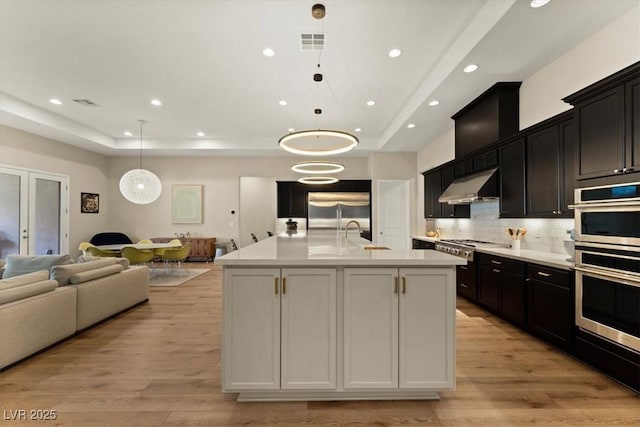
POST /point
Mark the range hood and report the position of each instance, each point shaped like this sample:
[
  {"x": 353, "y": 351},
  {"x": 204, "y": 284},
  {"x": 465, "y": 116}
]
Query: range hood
[{"x": 478, "y": 186}]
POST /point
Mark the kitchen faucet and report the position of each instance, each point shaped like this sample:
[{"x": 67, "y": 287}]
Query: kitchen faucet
[{"x": 346, "y": 228}]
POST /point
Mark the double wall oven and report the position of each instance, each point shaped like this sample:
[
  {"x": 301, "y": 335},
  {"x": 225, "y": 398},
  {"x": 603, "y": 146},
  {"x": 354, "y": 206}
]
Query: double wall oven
[{"x": 607, "y": 220}]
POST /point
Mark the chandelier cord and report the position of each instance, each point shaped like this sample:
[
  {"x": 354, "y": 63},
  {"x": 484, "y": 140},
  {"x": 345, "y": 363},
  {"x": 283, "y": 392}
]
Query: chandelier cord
[{"x": 141, "y": 122}]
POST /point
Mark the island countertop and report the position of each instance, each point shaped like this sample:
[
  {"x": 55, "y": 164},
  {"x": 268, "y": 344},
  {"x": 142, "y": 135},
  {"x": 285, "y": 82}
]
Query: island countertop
[{"x": 322, "y": 248}]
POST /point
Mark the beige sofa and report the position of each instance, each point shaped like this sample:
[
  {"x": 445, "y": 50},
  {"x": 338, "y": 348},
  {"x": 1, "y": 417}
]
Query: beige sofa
[{"x": 39, "y": 309}]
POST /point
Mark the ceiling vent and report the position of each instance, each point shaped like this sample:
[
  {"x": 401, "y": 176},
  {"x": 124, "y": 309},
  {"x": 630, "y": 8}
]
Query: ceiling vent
[
  {"x": 312, "y": 41},
  {"x": 85, "y": 102}
]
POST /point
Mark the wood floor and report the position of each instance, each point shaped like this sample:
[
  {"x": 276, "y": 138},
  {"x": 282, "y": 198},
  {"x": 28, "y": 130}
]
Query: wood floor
[{"x": 159, "y": 365}]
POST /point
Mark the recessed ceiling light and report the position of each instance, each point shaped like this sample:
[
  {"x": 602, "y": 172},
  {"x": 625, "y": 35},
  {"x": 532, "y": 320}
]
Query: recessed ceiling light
[
  {"x": 291, "y": 130},
  {"x": 411, "y": 125},
  {"x": 538, "y": 3},
  {"x": 370, "y": 103},
  {"x": 200, "y": 134},
  {"x": 127, "y": 133},
  {"x": 470, "y": 68},
  {"x": 268, "y": 52},
  {"x": 358, "y": 130},
  {"x": 55, "y": 101},
  {"x": 283, "y": 102},
  {"x": 434, "y": 103},
  {"x": 394, "y": 53},
  {"x": 156, "y": 102}
]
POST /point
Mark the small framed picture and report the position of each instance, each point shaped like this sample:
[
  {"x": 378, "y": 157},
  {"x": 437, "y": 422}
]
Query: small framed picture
[
  {"x": 89, "y": 202},
  {"x": 187, "y": 204}
]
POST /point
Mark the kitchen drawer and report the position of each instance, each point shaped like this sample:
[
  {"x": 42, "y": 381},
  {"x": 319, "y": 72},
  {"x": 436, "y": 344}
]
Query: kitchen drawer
[
  {"x": 505, "y": 264},
  {"x": 466, "y": 288},
  {"x": 550, "y": 275},
  {"x": 467, "y": 271}
]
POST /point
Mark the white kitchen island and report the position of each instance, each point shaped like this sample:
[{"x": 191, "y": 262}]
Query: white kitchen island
[{"x": 319, "y": 317}]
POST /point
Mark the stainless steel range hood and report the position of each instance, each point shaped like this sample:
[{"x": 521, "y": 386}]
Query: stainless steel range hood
[{"x": 478, "y": 186}]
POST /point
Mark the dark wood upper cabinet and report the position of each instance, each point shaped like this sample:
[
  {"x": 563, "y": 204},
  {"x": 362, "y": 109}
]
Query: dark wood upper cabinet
[
  {"x": 447, "y": 179},
  {"x": 544, "y": 173},
  {"x": 512, "y": 179},
  {"x": 292, "y": 200},
  {"x": 432, "y": 186},
  {"x": 568, "y": 158},
  {"x": 632, "y": 110},
  {"x": 492, "y": 116},
  {"x": 606, "y": 115}
]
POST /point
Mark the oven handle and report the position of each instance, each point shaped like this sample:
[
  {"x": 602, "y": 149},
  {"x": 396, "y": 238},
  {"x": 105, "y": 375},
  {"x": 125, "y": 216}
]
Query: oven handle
[
  {"x": 613, "y": 203},
  {"x": 609, "y": 275}
]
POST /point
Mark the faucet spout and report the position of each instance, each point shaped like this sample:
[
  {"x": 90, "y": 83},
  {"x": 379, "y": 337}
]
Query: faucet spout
[{"x": 346, "y": 228}]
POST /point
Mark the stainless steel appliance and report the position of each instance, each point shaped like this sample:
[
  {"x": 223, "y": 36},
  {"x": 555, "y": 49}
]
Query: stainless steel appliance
[
  {"x": 607, "y": 220},
  {"x": 463, "y": 248},
  {"x": 333, "y": 210}
]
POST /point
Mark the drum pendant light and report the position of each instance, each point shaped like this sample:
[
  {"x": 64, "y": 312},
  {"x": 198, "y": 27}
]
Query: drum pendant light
[{"x": 140, "y": 186}]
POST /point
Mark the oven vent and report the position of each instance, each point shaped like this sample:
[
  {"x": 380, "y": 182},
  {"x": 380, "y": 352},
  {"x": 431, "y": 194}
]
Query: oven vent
[
  {"x": 86, "y": 102},
  {"x": 312, "y": 41}
]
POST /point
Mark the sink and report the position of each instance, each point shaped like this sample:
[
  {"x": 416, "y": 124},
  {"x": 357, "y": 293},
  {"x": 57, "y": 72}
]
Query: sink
[{"x": 375, "y": 247}]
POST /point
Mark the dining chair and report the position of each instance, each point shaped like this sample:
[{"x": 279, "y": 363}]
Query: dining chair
[
  {"x": 176, "y": 257},
  {"x": 145, "y": 242},
  {"x": 83, "y": 247},
  {"x": 234, "y": 245},
  {"x": 254, "y": 238},
  {"x": 94, "y": 251},
  {"x": 160, "y": 251},
  {"x": 138, "y": 257}
]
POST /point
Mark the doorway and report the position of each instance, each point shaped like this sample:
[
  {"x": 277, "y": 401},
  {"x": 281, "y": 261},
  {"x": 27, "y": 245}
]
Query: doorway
[
  {"x": 393, "y": 214},
  {"x": 34, "y": 214}
]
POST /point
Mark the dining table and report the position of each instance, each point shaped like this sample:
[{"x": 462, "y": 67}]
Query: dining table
[{"x": 118, "y": 247}]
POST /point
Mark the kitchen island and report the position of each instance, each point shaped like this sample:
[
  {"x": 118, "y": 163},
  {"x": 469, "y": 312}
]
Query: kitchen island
[{"x": 317, "y": 316}]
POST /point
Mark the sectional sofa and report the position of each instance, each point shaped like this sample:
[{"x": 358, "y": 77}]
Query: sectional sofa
[{"x": 39, "y": 309}]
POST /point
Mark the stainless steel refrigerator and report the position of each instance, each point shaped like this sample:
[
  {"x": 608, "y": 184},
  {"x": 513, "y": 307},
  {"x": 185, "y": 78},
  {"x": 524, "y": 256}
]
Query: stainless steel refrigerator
[{"x": 333, "y": 210}]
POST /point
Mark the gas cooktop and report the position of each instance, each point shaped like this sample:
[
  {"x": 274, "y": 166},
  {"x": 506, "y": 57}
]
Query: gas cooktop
[{"x": 463, "y": 247}]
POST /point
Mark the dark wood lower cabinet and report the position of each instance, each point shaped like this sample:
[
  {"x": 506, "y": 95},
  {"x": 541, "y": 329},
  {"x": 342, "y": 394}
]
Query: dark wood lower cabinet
[
  {"x": 466, "y": 280},
  {"x": 513, "y": 297},
  {"x": 502, "y": 288},
  {"x": 488, "y": 286},
  {"x": 551, "y": 305}
]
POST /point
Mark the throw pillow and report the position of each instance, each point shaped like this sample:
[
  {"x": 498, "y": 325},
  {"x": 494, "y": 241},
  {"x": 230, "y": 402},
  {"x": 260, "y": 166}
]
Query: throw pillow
[
  {"x": 26, "y": 291},
  {"x": 24, "y": 279},
  {"x": 18, "y": 265},
  {"x": 97, "y": 273},
  {"x": 63, "y": 273}
]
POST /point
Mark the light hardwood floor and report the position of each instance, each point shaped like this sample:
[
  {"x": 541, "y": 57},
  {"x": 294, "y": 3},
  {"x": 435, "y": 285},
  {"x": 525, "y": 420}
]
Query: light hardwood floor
[{"x": 159, "y": 365}]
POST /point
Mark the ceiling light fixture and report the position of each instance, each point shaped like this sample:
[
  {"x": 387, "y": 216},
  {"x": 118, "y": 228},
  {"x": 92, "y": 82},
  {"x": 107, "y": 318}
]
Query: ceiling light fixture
[
  {"x": 434, "y": 103},
  {"x": 538, "y": 3},
  {"x": 317, "y": 180},
  {"x": 268, "y": 52},
  {"x": 127, "y": 133},
  {"x": 358, "y": 129},
  {"x": 318, "y": 142},
  {"x": 55, "y": 101},
  {"x": 371, "y": 103},
  {"x": 411, "y": 125},
  {"x": 283, "y": 102},
  {"x": 140, "y": 186},
  {"x": 394, "y": 53},
  {"x": 200, "y": 134},
  {"x": 156, "y": 102},
  {"x": 470, "y": 68},
  {"x": 317, "y": 167}
]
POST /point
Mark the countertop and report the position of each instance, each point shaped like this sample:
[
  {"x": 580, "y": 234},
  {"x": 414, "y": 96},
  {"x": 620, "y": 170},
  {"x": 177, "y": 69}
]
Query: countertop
[
  {"x": 328, "y": 248},
  {"x": 527, "y": 255}
]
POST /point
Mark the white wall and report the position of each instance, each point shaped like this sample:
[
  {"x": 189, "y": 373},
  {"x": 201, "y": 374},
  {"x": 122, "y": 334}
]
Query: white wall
[
  {"x": 258, "y": 207},
  {"x": 87, "y": 171},
  {"x": 611, "y": 49}
]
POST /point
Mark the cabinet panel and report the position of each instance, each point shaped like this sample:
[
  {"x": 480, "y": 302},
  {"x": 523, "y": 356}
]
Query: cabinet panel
[
  {"x": 543, "y": 173},
  {"x": 568, "y": 132},
  {"x": 251, "y": 357},
  {"x": 370, "y": 328},
  {"x": 512, "y": 179},
  {"x": 466, "y": 280},
  {"x": 552, "y": 311},
  {"x": 488, "y": 283},
  {"x": 632, "y": 119},
  {"x": 426, "y": 328},
  {"x": 447, "y": 178},
  {"x": 432, "y": 190},
  {"x": 308, "y": 328},
  {"x": 513, "y": 297},
  {"x": 601, "y": 134}
]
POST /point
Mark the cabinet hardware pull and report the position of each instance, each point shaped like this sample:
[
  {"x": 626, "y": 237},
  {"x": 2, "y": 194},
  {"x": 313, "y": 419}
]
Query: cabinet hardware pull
[
  {"x": 495, "y": 270},
  {"x": 404, "y": 285},
  {"x": 462, "y": 285},
  {"x": 275, "y": 285},
  {"x": 616, "y": 170},
  {"x": 540, "y": 273},
  {"x": 528, "y": 279},
  {"x": 395, "y": 284},
  {"x": 284, "y": 285},
  {"x": 462, "y": 267},
  {"x": 496, "y": 262},
  {"x": 555, "y": 212},
  {"x": 624, "y": 170}
]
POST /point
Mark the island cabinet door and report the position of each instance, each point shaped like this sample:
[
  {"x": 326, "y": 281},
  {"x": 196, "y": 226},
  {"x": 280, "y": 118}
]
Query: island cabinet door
[
  {"x": 427, "y": 328},
  {"x": 370, "y": 328},
  {"x": 308, "y": 328},
  {"x": 251, "y": 337}
]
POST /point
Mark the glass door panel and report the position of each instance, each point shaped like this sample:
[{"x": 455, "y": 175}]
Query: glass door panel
[
  {"x": 13, "y": 211},
  {"x": 46, "y": 217}
]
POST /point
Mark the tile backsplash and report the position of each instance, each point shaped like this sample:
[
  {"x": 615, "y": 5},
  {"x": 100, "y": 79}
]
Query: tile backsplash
[{"x": 547, "y": 235}]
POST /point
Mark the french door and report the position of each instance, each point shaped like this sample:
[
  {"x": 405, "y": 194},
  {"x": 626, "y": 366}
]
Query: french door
[{"x": 34, "y": 214}]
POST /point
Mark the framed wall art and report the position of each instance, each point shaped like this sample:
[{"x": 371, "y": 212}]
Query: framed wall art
[
  {"x": 89, "y": 203},
  {"x": 187, "y": 204}
]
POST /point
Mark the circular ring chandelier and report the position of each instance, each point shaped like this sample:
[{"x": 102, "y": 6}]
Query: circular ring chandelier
[
  {"x": 316, "y": 180},
  {"x": 317, "y": 167},
  {"x": 318, "y": 142}
]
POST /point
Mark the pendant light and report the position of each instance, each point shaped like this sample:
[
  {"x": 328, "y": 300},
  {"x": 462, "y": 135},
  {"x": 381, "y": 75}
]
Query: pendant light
[
  {"x": 140, "y": 186},
  {"x": 318, "y": 142}
]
